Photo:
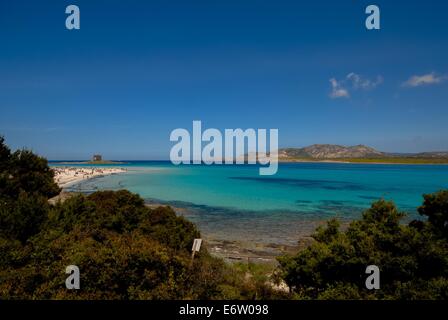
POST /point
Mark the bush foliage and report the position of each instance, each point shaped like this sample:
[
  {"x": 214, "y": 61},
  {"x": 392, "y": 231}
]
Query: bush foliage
[
  {"x": 125, "y": 250},
  {"x": 412, "y": 258}
]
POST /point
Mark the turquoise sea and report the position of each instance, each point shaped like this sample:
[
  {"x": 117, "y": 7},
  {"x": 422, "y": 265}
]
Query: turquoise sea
[{"x": 234, "y": 203}]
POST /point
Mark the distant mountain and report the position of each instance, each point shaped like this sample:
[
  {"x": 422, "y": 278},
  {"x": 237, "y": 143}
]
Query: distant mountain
[{"x": 330, "y": 151}]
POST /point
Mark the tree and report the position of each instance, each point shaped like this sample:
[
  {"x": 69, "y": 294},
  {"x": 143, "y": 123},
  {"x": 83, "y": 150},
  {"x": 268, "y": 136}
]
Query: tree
[
  {"x": 413, "y": 258},
  {"x": 435, "y": 207},
  {"x": 31, "y": 174},
  {"x": 26, "y": 183},
  {"x": 124, "y": 249},
  {"x": 5, "y": 154}
]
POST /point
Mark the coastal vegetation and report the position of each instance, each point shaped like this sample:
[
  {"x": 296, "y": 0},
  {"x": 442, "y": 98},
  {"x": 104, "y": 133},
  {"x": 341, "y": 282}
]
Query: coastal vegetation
[
  {"x": 126, "y": 250},
  {"x": 413, "y": 258},
  {"x": 399, "y": 160}
]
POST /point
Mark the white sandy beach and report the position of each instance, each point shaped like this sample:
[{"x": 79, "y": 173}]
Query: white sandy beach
[{"x": 65, "y": 176}]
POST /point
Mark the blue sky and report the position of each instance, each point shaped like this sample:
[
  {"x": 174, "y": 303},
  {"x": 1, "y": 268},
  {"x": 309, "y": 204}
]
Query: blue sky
[{"x": 136, "y": 70}]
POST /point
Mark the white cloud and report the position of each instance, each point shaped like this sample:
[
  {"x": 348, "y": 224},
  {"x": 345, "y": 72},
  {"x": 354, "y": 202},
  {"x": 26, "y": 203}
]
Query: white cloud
[
  {"x": 353, "y": 81},
  {"x": 337, "y": 91},
  {"x": 359, "y": 82},
  {"x": 426, "y": 79}
]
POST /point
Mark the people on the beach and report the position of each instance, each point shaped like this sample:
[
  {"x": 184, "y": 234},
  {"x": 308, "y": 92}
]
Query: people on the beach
[{"x": 68, "y": 175}]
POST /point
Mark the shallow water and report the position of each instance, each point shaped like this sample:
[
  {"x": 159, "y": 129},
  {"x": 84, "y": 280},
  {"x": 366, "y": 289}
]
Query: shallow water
[{"x": 235, "y": 203}]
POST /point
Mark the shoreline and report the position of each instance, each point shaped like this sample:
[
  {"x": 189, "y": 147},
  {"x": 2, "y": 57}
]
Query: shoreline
[
  {"x": 68, "y": 176},
  {"x": 245, "y": 247},
  {"x": 362, "y": 162},
  {"x": 235, "y": 241},
  {"x": 88, "y": 162},
  {"x": 342, "y": 161},
  {"x": 233, "y": 249}
]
